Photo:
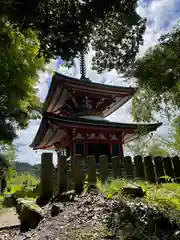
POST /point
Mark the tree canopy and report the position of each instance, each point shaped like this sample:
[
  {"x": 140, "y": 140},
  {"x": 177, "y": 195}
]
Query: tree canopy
[
  {"x": 19, "y": 65},
  {"x": 31, "y": 31},
  {"x": 147, "y": 146},
  {"x": 66, "y": 27},
  {"x": 157, "y": 75},
  {"x": 173, "y": 140}
]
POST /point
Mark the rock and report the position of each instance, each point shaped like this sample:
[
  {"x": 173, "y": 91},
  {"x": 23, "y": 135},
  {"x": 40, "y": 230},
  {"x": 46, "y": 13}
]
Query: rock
[
  {"x": 133, "y": 191},
  {"x": 162, "y": 180},
  {"x": 101, "y": 202},
  {"x": 92, "y": 189},
  {"x": 30, "y": 214},
  {"x": 67, "y": 196},
  {"x": 55, "y": 210}
]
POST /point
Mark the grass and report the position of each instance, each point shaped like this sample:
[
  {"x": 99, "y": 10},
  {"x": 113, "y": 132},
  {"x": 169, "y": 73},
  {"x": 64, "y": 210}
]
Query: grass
[
  {"x": 111, "y": 188},
  {"x": 165, "y": 196},
  {"x": 23, "y": 185},
  {"x": 20, "y": 181}
]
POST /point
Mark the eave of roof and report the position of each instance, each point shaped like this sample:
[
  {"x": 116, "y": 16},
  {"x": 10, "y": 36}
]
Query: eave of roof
[
  {"x": 79, "y": 122},
  {"x": 89, "y": 83}
]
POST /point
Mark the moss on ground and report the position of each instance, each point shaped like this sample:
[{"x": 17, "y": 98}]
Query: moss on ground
[
  {"x": 165, "y": 196},
  {"x": 97, "y": 232}
]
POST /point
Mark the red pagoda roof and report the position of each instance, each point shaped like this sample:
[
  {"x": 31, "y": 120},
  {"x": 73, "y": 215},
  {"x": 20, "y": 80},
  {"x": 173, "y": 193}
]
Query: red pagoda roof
[
  {"x": 66, "y": 95},
  {"x": 55, "y": 130}
]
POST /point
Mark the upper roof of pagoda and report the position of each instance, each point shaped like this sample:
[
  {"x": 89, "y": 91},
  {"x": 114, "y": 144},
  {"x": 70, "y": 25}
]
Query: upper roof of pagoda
[{"x": 68, "y": 96}]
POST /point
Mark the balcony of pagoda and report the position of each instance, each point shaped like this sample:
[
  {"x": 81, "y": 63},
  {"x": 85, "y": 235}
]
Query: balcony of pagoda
[
  {"x": 97, "y": 143},
  {"x": 86, "y": 135}
]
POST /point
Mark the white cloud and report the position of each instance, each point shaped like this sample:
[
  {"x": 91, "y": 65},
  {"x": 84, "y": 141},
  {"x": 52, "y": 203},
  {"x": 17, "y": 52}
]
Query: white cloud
[
  {"x": 43, "y": 85},
  {"x": 25, "y": 153},
  {"x": 161, "y": 15}
]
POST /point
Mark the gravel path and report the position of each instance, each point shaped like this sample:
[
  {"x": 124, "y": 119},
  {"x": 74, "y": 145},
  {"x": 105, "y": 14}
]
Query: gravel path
[
  {"x": 81, "y": 219},
  {"x": 9, "y": 218}
]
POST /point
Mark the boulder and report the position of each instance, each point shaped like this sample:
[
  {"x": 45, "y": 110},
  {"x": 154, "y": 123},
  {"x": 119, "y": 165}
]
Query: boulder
[
  {"x": 101, "y": 202},
  {"x": 55, "y": 210},
  {"x": 164, "y": 179},
  {"x": 133, "y": 191},
  {"x": 30, "y": 214},
  {"x": 92, "y": 188},
  {"x": 67, "y": 196}
]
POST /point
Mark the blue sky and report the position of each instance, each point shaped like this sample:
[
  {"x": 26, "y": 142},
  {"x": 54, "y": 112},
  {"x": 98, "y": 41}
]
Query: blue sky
[{"x": 161, "y": 15}]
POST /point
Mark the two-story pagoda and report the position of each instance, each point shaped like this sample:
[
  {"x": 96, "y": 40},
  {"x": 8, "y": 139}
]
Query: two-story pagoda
[{"x": 74, "y": 118}]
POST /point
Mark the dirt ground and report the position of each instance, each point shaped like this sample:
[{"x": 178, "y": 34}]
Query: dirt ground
[
  {"x": 8, "y": 218},
  {"x": 93, "y": 217}
]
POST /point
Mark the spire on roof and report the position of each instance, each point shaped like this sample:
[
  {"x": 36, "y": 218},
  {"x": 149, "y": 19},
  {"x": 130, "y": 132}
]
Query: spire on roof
[{"x": 83, "y": 67}]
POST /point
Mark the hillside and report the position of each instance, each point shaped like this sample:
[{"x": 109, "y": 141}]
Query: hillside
[{"x": 23, "y": 167}]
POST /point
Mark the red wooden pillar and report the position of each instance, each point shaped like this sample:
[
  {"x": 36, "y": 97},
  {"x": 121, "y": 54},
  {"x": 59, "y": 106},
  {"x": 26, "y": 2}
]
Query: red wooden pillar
[
  {"x": 121, "y": 152},
  {"x": 71, "y": 148},
  {"x": 68, "y": 151},
  {"x": 110, "y": 148},
  {"x": 71, "y": 142},
  {"x": 110, "y": 145},
  {"x": 85, "y": 149}
]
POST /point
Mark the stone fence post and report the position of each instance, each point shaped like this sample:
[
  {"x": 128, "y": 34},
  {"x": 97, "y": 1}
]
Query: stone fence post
[{"x": 46, "y": 176}]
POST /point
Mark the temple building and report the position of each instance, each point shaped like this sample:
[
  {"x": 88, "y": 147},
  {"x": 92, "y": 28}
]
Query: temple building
[{"x": 74, "y": 118}]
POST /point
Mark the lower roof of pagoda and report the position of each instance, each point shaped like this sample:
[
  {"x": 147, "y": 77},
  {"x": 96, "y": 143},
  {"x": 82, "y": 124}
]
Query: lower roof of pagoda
[
  {"x": 58, "y": 131},
  {"x": 68, "y": 96}
]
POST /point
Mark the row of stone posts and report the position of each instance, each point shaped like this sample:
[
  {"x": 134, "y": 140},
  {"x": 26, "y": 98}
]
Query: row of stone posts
[{"x": 146, "y": 169}]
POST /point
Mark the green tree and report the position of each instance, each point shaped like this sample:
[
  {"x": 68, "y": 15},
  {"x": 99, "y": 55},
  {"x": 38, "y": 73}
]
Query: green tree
[
  {"x": 157, "y": 76},
  {"x": 9, "y": 152},
  {"x": 138, "y": 146},
  {"x": 147, "y": 146},
  {"x": 66, "y": 27},
  {"x": 7, "y": 157},
  {"x": 156, "y": 149},
  {"x": 19, "y": 66},
  {"x": 173, "y": 140}
]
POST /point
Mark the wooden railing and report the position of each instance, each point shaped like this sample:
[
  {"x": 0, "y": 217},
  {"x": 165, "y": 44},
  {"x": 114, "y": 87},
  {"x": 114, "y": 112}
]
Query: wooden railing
[{"x": 74, "y": 172}]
